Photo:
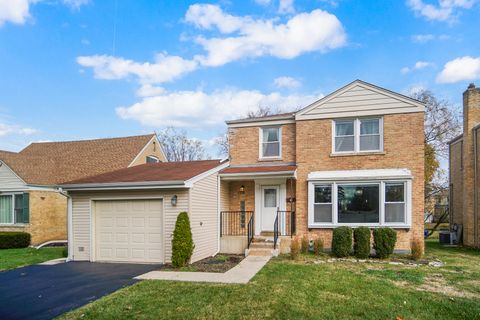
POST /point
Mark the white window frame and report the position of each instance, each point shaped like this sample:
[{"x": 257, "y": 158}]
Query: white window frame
[
  {"x": 14, "y": 222},
  {"x": 405, "y": 195},
  {"x": 260, "y": 145},
  {"x": 381, "y": 182},
  {"x": 152, "y": 157},
  {"x": 356, "y": 132}
]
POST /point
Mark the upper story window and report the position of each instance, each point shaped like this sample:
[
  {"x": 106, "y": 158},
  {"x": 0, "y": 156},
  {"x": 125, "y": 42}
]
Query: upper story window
[
  {"x": 357, "y": 135},
  {"x": 152, "y": 159},
  {"x": 270, "y": 143}
]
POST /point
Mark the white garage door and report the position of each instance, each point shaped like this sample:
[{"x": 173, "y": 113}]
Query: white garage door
[{"x": 129, "y": 231}]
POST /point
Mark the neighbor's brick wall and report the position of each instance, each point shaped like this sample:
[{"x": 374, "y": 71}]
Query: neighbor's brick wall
[
  {"x": 48, "y": 217},
  {"x": 471, "y": 117},
  {"x": 456, "y": 183},
  {"x": 244, "y": 145},
  {"x": 403, "y": 146}
]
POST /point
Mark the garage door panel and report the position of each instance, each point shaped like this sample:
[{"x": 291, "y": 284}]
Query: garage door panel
[{"x": 129, "y": 231}]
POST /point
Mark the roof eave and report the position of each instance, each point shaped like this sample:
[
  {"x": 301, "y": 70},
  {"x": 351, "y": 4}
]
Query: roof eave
[
  {"x": 125, "y": 185},
  {"x": 264, "y": 119}
]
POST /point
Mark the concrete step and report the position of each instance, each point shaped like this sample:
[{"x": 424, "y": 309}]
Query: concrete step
[{"x": 268, "y": 245}]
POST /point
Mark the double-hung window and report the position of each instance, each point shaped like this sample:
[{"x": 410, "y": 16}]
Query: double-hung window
[
  {"x": 14, "y": 208},
  {"x": 359, "y": 203},
  {"x": 270, "y": 143},
  {"x": 357, "y": 135}
]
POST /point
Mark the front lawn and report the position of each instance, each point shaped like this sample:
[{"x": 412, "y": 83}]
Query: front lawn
[
  {"x": 14, "y": 258},
  {"x": 312, "y": 288}
]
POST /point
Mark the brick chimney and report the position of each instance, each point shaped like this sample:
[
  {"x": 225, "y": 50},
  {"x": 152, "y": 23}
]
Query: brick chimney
[{"x": 471, "y": 166}]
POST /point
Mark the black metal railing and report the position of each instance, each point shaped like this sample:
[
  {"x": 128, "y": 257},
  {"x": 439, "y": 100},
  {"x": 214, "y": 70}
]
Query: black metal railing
[
  {"x": 276, "y": 232},
  {"x": 234, "y": 223},
  {"x": 250, "y": 231},
  {"x": 286, "y": 222}
]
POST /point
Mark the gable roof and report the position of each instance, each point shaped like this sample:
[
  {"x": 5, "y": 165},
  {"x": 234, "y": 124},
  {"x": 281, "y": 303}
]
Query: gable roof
[
  {"x": 360, "y": 98},
  {"x": 166, "y": 173},
  {"x": 51, "y": 163}
]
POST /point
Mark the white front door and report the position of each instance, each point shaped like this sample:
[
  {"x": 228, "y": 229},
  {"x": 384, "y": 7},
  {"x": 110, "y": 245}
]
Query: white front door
[{"x": 270, "y": 203}]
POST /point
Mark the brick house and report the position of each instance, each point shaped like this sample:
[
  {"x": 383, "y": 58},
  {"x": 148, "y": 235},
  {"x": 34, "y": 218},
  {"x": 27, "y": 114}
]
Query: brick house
[
  {"x": 464, "y": 178},
  {"x": 353, "y": 158},
  {"x": 30, "y": 197}
]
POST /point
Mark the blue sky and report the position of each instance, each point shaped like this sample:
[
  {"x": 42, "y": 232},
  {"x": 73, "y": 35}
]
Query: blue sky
[{"x": 81, "y": 69}]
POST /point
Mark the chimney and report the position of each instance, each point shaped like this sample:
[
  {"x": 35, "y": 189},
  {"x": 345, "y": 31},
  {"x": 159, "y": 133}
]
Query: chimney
[{"x": 471, "y": 166}]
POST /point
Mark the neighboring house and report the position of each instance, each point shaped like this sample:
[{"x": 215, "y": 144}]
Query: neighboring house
[
  {"x": 129, "y": 215},
  {"x": 353, "y": 158},
  {"x": 464, "y": 176},
  {"x": 30, "y": 199}
]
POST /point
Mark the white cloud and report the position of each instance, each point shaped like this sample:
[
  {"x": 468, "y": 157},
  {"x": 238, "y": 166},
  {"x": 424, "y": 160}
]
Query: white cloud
[
  {"x": 147, "y": 90},
  {"x": 286, "y": 82},
  {"x": 165, "y": 68},
  {"x": 263, "y": 2},
  {"x": 76, "y": 4},
  {"x": 460, "y": 69},
  {"x": 286, "y": 6},
  {"x": 198, "y": 108},
  {"x": 306, "y": 32},
  {"x": 9, "y": 129},
  {"x": 421, "y": 38},
  {"x": 445, "y": 10},
  {"x": 418, "y": 66},
  {"x": 14, "y": 11}
]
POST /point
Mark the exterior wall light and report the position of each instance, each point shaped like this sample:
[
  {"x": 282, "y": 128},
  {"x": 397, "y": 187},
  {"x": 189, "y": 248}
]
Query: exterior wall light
[
  {"x": 174, "y": 200},
  {"x": 242, "y": 189}
]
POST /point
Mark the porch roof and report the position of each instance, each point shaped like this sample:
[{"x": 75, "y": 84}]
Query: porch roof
[{"x": 259, "y": 170}]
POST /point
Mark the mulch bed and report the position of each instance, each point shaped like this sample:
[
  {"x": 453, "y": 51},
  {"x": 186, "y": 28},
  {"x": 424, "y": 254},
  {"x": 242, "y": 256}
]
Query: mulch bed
[{"x": 220, "y": 263}]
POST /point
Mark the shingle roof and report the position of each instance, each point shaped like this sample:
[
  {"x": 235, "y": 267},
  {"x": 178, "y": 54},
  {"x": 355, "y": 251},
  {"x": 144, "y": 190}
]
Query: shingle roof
[
  {"x": 278, "y": 116},
  {"x": 152, "y": 172},
  {"x": 259, "y": 169},
  {"x": 51, "y": 163}
]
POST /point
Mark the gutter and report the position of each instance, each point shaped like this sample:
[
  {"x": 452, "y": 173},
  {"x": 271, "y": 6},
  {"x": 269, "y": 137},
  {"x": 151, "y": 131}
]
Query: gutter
[{"x": 126, "y": 185}]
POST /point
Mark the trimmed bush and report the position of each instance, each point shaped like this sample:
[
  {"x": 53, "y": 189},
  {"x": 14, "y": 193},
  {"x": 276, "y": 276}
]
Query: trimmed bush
[
  {"x": 305, "y": 244},
  {"x": 361, "y": 242},
  {"x": 182, "y": 243},
  {"x": 318, "y": 246},
  {"x": 295, "y": 247},
  {"x": 417, "y": 251},
  {"x": 384, "y": 240},
  {"x": 10, "y": 240},
  {"x": 342, "y": 241}
]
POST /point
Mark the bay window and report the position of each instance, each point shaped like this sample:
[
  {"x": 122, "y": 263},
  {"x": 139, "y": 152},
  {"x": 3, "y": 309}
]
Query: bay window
[
  {"x": 14, "y": 208},
  {"x": 359, "y": 203},
  {"x": 357, "y": 135}
]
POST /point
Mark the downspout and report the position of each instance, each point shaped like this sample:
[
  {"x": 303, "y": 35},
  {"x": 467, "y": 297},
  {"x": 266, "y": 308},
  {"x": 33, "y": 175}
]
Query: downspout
[
  {"x": 218, "y": 213},
  {"x": 69, "y": 224},
  {"x": 475, "y": 196}
]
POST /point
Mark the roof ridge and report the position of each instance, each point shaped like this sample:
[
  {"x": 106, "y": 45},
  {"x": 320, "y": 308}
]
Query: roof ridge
[{"x": 89, "y": 140}]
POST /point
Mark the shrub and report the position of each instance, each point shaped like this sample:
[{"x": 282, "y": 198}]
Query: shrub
[
  {"x": 318, "y": 246},
  {"x": 361, "y": 242},
  {"x": 342, "y": 241},
  {"x": 417, "y": 250},
  {"x": 10, "y": 240},
  {"x": 384, "y": 240},
  {"x": 305, "y": 244},
  {"x": 182, "y": 243},
  {"x": 295, "y": 248}
]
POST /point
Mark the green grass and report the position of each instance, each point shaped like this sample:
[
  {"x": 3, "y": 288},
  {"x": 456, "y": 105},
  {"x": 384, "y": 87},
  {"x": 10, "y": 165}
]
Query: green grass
[
  {"x": 286, "y": 289},
  {"x": 14, "y": 258}
]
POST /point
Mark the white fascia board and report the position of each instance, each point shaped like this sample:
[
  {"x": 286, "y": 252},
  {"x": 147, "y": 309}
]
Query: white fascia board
[
  {"x": 256, "y": 175},
  {"x": 2, "y": 163},
  {"x": 262, "y": 123},
  {"x": 189, "y": 183},
  {"x": 126, "y": 185},
  {"x": 360, "y": 174}
]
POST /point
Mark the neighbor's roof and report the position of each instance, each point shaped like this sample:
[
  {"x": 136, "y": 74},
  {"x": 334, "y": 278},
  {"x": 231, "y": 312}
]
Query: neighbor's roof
[
  {"x": 52, "y": 163},
  {"x": 278, "y": 116},
  {"x": 162, "y": 172},
  {"x": 270, "y": 169}
]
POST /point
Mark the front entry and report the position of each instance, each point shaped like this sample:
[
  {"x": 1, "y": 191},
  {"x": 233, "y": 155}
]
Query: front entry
[{"x": 270, "y": 203}]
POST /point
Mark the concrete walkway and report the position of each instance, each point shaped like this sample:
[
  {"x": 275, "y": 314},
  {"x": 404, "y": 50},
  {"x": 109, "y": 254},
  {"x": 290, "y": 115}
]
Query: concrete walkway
[{"x": 242, "y": 273}]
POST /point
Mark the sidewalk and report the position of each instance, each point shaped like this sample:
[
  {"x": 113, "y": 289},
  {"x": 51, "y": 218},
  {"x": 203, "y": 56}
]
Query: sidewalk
[{"x": 242, "y": 273}]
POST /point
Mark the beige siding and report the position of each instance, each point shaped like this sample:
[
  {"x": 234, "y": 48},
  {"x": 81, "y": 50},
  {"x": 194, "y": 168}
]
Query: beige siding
[
  {"x": 9, "y": 181},
  {"x": 81, "y": 215},
  {"x": 224, "y": 195},
  {"x": 204, "y": 217},
  {"x": 153, "y": 148},
  {"x": 359, "y": 100}
]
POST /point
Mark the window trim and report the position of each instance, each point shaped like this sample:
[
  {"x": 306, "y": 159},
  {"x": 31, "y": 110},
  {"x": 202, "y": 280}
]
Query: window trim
[
  {"x": 357, "y": 135},
  {"x": 260, "y": 145},
  {"x": 408, "y": 203},
  {"x": 14, "y": 222},
  {"x": 152, "y": 157}
]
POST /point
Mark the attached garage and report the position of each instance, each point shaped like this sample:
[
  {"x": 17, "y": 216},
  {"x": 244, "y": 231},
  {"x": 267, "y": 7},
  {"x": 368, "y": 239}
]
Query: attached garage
[{"x": 129, "y": 215}]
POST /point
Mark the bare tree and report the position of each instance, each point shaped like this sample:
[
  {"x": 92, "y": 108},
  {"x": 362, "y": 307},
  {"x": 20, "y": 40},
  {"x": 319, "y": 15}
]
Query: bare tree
[
  {"x": 262, "y": 111},
  {"x": 178, "y": 147},
  {"x": 223, "y": 144}
]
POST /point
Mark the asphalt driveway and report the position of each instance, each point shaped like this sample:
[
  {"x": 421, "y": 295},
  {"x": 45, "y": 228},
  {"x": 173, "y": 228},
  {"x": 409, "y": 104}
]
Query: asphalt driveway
[{"x": 46, "y": 291}]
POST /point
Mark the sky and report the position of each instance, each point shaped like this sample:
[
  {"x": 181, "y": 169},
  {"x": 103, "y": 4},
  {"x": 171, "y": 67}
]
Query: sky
[{"x": 84, "y": 69}]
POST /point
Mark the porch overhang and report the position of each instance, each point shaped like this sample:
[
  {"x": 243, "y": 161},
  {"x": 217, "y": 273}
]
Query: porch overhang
[{"x": 251, "y": 172}]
